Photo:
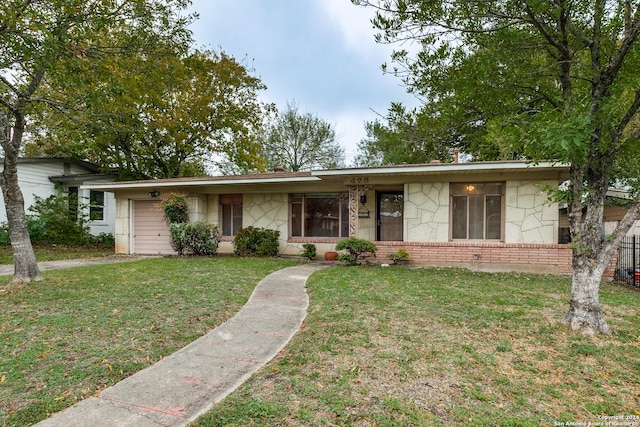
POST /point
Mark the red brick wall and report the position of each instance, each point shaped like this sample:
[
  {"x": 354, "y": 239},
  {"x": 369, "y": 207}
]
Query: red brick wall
[{"x": 535, "y": 258}]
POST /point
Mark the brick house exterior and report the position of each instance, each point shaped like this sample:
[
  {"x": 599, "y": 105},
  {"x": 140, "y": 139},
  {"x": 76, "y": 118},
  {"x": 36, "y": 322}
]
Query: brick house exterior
[{"x": 481, "y": 215}]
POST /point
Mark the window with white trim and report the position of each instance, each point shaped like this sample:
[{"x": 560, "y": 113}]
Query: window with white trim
[{"x": 96, "y": 205}]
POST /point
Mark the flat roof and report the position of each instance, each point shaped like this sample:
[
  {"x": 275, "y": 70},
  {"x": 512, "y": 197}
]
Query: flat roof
[{"x": 434, "y": 168}]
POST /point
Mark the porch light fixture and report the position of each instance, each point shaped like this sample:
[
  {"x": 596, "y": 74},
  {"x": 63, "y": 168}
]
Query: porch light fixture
[
  {"x": 363, "y": 213},
  {"x": 154, "y": 193}
]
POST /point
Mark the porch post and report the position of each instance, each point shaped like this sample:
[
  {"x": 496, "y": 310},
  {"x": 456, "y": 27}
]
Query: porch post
[{"x": 355, "y": 191}]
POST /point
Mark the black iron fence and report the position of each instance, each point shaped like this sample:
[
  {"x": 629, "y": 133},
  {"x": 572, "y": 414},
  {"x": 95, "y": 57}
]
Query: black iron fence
[{"x": 628, "y": 266}]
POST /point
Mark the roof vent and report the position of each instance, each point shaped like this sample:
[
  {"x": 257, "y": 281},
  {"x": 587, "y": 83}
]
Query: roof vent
[{"x": 278, "y": 168}]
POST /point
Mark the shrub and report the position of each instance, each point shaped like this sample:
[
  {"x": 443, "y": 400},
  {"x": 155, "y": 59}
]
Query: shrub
[
  {"x": 399, "y": 257},
  {"x": 174, "y": 206},
  {"x": 55, "y": 222},
  {"x": 104, "y": 239},
  {"x": 198, "y": 238},
  {"x": 201, "y": 238},
  {"x": 309, "y": 250},
  {"x": 177, "y": 237},
  {"x": 252, "y": 241},
  {"x": 357, "y": 250}
]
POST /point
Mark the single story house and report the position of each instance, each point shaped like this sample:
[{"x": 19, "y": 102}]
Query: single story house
[
  {"x": 482, "y": 215},
  {"x": 44, "y": 177}
]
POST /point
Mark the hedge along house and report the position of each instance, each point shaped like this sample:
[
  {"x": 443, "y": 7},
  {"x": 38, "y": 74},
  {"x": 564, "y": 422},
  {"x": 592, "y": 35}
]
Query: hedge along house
[{"x": 484, "y": 215}]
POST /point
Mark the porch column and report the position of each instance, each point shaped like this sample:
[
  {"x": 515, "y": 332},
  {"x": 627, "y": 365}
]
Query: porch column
[{"x": 355, "y": 191}]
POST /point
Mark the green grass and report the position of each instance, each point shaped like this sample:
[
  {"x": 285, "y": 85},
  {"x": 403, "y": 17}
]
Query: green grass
[
  {"x": 429, "y": 347},
  {"x": 53, "y": 252},
  {"x": 381, "y": 346},
  {"x": 81, "y": 330}
]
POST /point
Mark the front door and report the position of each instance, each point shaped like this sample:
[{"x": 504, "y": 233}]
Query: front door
[{"x": 390, "y": 216}]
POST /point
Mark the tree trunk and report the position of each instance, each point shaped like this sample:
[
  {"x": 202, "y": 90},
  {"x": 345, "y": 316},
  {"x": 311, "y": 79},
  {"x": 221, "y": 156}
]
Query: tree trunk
[
  {"x": 584, "y": 315},
  {"x": 24, "y": 260}
]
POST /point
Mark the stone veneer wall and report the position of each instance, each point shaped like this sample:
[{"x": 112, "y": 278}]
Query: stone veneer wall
[
  {"x": 197, "y": 206},
  {"x": 426, "y": 212},
  {"x": 123, "y": 226},
  {"x": 529, "y": 215},
  {"x": 269, "y": 211}
]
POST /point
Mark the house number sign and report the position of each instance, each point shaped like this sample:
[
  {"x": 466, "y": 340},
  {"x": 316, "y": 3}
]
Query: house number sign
[{"x": 359, "y": 180}]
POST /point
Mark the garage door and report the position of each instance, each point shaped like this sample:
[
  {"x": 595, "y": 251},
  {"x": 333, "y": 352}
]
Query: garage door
[{"x": 150, "y": 231}]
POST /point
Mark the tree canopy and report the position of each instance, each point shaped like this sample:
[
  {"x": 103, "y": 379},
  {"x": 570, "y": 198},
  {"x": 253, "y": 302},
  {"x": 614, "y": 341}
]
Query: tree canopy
[
  {"x": 51, "y": 46},
  {"x": 160, "y": 116},
  {"x": 301, "y": 141},
  {"x": 533, "y": 79},
  {"x": 406, "y": 137}
]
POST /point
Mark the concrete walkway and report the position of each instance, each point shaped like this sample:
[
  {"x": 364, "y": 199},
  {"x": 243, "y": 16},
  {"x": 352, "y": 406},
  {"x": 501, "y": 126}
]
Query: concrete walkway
[
  {"x": 8, "y": 269},
  {"x": 181, "y": 387}
]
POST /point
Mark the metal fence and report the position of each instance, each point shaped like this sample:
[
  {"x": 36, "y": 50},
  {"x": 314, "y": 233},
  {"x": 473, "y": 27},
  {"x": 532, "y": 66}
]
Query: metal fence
[{"x": 628, "y": 266}]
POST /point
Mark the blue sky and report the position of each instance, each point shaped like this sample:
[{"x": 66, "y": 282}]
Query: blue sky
[{"x": 320, "y": 54}]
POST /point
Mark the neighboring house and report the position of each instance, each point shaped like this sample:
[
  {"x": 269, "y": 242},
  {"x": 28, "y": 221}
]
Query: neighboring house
[
  {"x": 614, "y": 211},
  {"x": 43, "y": 177},
  {"x": 485, "y": 215}
]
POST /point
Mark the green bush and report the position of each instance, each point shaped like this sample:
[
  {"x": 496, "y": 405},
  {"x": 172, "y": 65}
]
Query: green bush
[
  {"x": 399, "y": 257},
  {"x": 4, "y": 234},
  {"x": 103, "y": 239},
  {"x": 54, "y": 222},
  {"x": 357, "y": 250},
  {"x": 201, "y": 238},
  {"x": 198, "y": 238},
  {"x": 176, "y": 238},
  {"x": 309, "y": 250},
  {"x": 252, "y": 241},
  {"x": 174, "y": 206}
]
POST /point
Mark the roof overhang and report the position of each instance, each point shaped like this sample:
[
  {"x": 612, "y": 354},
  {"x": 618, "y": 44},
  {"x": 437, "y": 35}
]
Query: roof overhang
[
  {"x": 395, "y": 174},
  {"x": 444, "y": 168},
  {"x": 204, "y": 182}
]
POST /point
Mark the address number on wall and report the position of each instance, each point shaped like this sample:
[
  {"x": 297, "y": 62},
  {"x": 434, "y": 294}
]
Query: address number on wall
[{"x": 359, "y": 180}]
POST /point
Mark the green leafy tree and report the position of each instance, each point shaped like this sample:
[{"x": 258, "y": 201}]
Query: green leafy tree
[
  {"x": 301, "y": 141},
  {"x": 536, "y": 79},
  {"x": 407, "y": 137},
  {"x": 161, "y": 116},
  {"x": 45, "y": 47}
]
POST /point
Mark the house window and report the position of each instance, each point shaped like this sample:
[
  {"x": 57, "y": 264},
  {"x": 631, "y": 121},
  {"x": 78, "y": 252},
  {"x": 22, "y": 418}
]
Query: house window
[
  {"x": 72, "y": 192},
  {"x": 320, "y": 215},
  {"x": 231, "y": 214},
  {"x": 96, "y": 205},
  {"x": 476, "y": 211}
]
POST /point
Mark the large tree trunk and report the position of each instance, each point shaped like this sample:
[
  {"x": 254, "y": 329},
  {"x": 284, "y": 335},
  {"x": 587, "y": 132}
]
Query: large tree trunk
[
  {"x": 591, "y": 256},
  {"x": 24, "y": 260},
  {"x": 585, "y": 315}
]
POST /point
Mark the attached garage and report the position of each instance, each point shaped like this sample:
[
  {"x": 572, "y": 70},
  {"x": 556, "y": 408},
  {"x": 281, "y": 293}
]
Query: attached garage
[{"x": 151, "y": 234}]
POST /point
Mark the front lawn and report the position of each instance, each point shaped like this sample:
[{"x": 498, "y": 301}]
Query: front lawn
[
  {"x": 56, "y": 252},
  {"x": 429, "y": 347},
  {"x": 83, "y": 329},
  {"x": 380, "y": 346}
]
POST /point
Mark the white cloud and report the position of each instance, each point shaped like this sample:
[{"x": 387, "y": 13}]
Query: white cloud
[{"x": 354, "y": 24}]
